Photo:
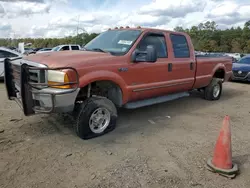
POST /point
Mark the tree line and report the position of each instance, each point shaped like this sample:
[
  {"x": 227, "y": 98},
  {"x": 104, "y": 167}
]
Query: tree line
[
  {"x": 80, "y": 39},
  {"x": 206, "y": 37}
]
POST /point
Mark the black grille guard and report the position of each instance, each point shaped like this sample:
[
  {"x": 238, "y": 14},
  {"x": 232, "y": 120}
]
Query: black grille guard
[{"x": 27, "y": 88}]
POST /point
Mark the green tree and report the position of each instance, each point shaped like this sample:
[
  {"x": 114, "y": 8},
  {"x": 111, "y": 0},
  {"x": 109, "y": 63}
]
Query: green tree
[
  {"x": 205, "y": 37},
  {"x": 235, "y": 45}
]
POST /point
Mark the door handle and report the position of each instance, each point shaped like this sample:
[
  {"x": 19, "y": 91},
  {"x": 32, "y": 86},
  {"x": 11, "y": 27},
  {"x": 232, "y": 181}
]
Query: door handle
[
  {"x": 191, "y": 65},
  {"x": 170, "y": 65}
]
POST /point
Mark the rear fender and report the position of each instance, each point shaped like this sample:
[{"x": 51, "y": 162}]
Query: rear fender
[
  {"x": 218, "y": 67},
  {"x": 107, "y": 76}
]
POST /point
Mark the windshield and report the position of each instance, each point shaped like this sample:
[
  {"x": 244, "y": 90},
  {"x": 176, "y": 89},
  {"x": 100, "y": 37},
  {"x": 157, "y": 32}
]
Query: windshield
[
  {"x": 55, "y": 48},
  {"x": 114, "y": 41},
  {"x": 244, "y": 60}
]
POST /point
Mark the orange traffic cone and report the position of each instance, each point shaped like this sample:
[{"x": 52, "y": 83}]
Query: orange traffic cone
[{"x": 221, "y": 162}]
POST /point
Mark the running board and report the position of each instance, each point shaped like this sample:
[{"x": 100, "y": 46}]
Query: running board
[{"x": 156, "y": 100}]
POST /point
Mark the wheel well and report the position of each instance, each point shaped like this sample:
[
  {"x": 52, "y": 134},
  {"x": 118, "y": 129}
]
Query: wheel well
[
  {"x": 220, "y": 73},
  {"x": 103, "y": 88}
]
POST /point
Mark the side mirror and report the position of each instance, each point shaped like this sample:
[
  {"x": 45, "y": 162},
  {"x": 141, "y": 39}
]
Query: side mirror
[{"x": 150, "y": 55}]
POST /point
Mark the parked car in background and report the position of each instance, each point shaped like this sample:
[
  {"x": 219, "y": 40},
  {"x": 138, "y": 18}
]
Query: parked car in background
[
  {"x": 13, "y": 48},
  {"x": 6, "y": 53},
  {"x": 36, "y": 49},
  {"x": 236, "y": 56},
  {"x": 28, "y": 51},
  {"x": 241, "y": 69},
  {"x": 43, "y": 50},
  {"x": 66, "y": 47}
]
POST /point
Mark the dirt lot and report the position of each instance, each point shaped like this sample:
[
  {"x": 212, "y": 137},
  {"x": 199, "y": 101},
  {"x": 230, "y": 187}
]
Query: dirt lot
[{"x": 168, "y": 147}]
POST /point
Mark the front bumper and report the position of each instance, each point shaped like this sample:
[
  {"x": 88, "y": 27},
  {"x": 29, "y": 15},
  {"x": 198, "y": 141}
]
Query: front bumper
[
  {"x": 243, "y": 78},
  {"x": 33, "y": 98}
]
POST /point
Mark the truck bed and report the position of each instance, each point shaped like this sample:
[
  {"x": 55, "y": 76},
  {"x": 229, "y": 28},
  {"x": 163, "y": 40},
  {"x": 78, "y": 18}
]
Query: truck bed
[{"x": 207, "y": 66}]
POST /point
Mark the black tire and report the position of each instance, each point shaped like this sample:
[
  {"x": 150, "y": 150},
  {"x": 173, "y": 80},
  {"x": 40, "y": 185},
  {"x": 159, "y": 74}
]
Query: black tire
[
  {"x": 209, "y": 90},
  {"x": 85, "y": 111}
]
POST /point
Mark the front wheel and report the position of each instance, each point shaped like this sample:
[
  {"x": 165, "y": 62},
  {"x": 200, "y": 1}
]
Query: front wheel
[
  {"x": 96, "y": 117},
  {"x": 214, "y": 89}
]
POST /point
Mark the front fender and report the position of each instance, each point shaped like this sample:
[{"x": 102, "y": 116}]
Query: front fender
[{"x": 105, "y": 76}]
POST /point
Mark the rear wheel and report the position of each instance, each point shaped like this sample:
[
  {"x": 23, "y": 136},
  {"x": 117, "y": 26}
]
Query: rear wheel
[
  {"x": 213, "y": 90},
  {"x": 96, "y": 117}
]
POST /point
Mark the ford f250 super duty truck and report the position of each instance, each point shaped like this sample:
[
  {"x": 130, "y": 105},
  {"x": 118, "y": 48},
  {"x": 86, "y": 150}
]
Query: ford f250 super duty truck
[{"x": 124, "y": 67}]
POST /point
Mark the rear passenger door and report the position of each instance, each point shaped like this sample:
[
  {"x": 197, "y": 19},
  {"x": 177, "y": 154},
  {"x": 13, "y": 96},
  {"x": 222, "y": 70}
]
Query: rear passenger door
[{"x": 182, "y": 75}]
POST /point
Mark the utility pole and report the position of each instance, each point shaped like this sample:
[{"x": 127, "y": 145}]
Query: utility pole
[
  {"x": 77, "y": 29},
  {"x": 13, "y": 39},
  {"x": 78, "y": 32}
]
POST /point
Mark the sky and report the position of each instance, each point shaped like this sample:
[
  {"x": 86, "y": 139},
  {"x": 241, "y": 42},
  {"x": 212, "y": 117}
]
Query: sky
[{"x": 60, "y": 18}]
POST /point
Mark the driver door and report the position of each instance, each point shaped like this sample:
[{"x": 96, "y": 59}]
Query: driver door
[{"x": 146, "y": 78}]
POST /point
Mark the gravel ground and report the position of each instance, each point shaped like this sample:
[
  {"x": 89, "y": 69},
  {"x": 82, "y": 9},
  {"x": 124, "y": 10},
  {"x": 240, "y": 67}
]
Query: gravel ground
[{"x": 168, "y": 147}]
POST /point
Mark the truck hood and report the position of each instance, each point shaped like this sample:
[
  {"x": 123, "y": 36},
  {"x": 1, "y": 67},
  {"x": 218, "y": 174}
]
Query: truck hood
[
  {"x": 241, "y": 67},
  {"x": 69, "y": 58}
]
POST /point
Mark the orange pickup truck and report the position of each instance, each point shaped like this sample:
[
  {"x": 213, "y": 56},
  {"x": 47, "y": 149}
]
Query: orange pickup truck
[{"x": 120, "y": 68}]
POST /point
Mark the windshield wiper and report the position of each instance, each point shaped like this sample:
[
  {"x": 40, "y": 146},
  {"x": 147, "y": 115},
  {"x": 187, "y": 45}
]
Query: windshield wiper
[{"x": 98, "y": 50}]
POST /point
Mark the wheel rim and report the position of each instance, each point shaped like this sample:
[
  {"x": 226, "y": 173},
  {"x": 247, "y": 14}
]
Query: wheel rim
[
  {"x": 216, "y": 91},
  {"x": 99, "y": 120}
]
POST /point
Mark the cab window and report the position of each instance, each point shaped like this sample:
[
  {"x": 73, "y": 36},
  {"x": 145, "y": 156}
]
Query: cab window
[
  {"x": 74, "y": 47},
  {"x": 64, "y": 48},
  {"x": 180, "y": 46},
  {"x": 156, "y": 40}
]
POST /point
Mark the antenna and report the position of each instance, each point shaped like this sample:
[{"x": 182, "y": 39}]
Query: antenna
[{"x": 77, "y": 24}]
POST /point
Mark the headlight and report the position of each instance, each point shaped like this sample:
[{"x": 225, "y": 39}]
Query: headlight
[{"x": 58, "y": 77}]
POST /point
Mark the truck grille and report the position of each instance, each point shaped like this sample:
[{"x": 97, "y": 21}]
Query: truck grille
[
  {"x": 16, "y": 72},
  {"x": 36, "y": 76},
  {"x": 237, "y": 74}
]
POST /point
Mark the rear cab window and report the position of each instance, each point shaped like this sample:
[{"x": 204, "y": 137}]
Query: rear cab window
[
  {"x": 180, "y": 46},
  {"x": 75, "y": 47}
]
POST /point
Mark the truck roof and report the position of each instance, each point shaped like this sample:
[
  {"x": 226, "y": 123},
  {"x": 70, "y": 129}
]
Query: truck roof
[
  {"x": 149, "y": 29},
  {"x": 68, "y": 45}
]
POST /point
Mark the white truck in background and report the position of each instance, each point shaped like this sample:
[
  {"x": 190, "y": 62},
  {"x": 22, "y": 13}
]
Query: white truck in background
[{"x": 66, "y": 47}]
